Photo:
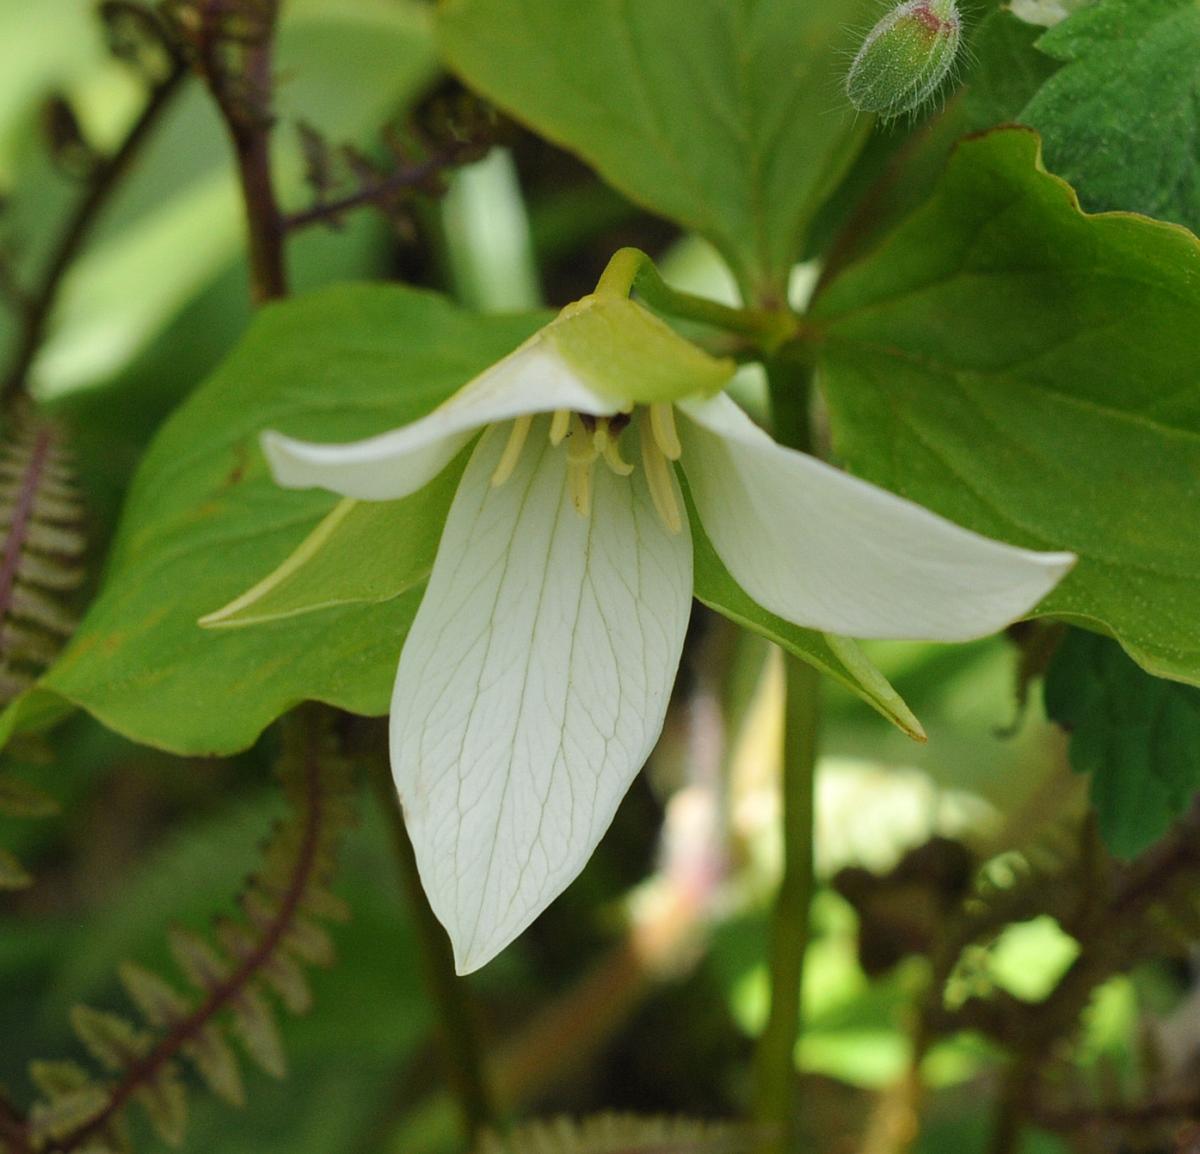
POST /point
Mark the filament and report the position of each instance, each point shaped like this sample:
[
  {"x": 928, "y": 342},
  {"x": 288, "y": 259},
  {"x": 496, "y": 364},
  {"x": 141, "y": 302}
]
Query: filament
[
  {"x": 579, "y": 482},
  {"x": 581, "y": 449},
  {"x": 560, "y": 424},
  {"x": 662, "y": 423},
  {"x": 658, "y": 477},
  {"x": 609, "y": 447},
  {"x": 512, "y": 451}
]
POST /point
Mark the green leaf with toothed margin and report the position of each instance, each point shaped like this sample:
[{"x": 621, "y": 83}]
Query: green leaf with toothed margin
[
  {"x": 1122, "y": 116},
  {"x": 1033, "y": 373},
  {"x": 1137, "y": 736}
]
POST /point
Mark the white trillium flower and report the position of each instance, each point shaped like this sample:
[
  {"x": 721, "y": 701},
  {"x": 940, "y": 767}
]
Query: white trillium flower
[{"x": 534, "y": 682}]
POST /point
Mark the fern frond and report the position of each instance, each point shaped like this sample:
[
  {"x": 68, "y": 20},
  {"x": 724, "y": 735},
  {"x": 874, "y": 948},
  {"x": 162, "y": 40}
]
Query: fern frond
[
  {"x": 231, "y": 980},
  {"x": 18, "y": 799},
  {"x": 41, "y": 523},
  {"x": 41, "y": 518},
  {"x": 624, "y": 1134}
]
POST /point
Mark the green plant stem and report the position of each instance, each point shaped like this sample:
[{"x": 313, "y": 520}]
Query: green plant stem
[
  {"x": 459, "y": 1036},
  {"x": 632, "y": 270},
  {"x": 775, "y": 1060}
]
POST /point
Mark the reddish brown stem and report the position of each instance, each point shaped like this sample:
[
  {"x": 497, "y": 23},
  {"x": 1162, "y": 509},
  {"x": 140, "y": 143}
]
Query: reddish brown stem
[
  {"x": 38, "y": 305},
  {"x": 244, "y": 101},
  {"x": 378, "y": 193}
]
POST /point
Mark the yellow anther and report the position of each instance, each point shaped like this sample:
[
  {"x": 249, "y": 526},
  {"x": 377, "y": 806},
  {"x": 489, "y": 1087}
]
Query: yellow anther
[
  {"x": 560, "y": 425},
  {"x": 609, "y": 447},
  {"x": 614, "y": 460},
  {"x": 662, "y": 422},
  {"x": 512, "y": 451},
  {"x": 658, "y": 477},
  {"x": 579, "y": 482}
]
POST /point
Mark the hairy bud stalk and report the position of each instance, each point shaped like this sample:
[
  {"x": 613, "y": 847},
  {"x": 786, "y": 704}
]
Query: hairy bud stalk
[{"x": 905, "y": 58}]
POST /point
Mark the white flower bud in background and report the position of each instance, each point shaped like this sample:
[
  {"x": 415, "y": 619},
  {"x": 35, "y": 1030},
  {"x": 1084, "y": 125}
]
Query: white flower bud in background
[
  {"x": 905, "y": 58},
  {"x": 1047, "y": 13}
]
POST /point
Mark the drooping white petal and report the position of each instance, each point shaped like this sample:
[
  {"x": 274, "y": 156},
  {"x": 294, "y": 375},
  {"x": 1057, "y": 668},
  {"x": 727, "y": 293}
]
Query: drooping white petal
[
  {"x": 532, "y": 379},
  {"x": 532, "y": 686},
  {"x": 831, "y": 552}
]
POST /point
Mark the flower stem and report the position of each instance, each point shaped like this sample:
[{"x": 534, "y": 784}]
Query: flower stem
[
  {"x": 775, "y": 1059},
  {"x": 632, "y": 270},
  {"x": 463, "y": 1058}
]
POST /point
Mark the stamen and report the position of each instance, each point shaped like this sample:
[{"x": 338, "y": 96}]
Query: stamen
[
  {"x": 581, "y": 449},
  {"x": 662, "y": 421},
  {"x": 560, "y": 425},
  {"x": 614, "y": 460},
  {"x": 658, "y": 477},
  {"x": 579, "y": 481},
  {"x": 609, "y": 447},
  {"x": 512, "y": 451}
]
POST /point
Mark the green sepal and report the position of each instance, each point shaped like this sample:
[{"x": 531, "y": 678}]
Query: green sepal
[{"x": 625, "y": 352}]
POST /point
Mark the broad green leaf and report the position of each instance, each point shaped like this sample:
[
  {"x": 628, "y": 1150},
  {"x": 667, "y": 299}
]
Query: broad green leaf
[
  {"x": 1032, "y": 373},
  {"x": 1121, "y": 118},
  {"x": 725, "y": 116},
  {"x": 204, "y": 522},
  {"x": 1138, "y": 737},
  {"x": 363, "y": 552},
  {"x": 1007, "y": 70}
]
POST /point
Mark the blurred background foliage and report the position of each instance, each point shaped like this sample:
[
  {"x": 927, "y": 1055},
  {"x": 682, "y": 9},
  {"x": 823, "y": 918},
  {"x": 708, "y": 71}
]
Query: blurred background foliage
[{"x": 629, "y": 994}]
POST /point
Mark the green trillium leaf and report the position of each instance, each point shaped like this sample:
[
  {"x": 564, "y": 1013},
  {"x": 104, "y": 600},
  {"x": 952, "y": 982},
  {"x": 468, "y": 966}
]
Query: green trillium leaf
[
  {"x": 725, "y": 116},
  {"x": 1033, "y": 373},
  {"x": 204, "y": 522}
]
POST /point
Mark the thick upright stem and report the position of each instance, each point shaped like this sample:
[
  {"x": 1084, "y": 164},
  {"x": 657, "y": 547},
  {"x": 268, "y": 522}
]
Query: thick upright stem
[
  {"x": 241, "y": 83},
  {"x": 790, "y": 919},
  {"x": 775, "y": 1060},
  {"x": 252, "y": 151},
  {"x": 264, "y": 224},
  {"x": 462, "y": 1053}
]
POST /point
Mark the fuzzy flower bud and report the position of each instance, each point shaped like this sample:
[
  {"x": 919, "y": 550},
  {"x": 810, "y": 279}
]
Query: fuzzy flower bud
[{"x": 905, "y": 57}]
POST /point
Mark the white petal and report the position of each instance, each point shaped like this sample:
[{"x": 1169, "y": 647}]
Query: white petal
[
  {"x": 831, "y": 552},
  {"x": 533, "y": 685},
  {"x": 532, "y": 379}
]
